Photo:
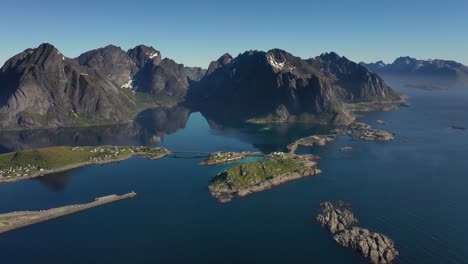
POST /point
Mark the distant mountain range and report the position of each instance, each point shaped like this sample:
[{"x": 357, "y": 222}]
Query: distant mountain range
[
  {"x": 276, "y": 86},
  {"x": 42, "y": 88},
  {"x": 425, "y": 74}
]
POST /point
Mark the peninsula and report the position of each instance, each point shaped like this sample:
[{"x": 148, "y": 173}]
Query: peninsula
[
  {"x": 33, "y": 163},
  {"x": 246, "y": 178},
  {"x": 15, "y": 220}
]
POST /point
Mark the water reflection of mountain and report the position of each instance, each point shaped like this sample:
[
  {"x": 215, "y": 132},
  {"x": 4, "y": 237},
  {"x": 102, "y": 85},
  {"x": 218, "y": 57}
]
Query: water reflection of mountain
[
  {"x": 266, "y": 138},
  {"x": 57, "y": 181},
  {"x": 149, "y": 128}
]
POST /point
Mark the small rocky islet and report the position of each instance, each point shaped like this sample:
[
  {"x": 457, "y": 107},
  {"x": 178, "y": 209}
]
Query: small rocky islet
[
  {"x": 340, "y": 221},
  {"x": 364, "y": 131},
  {"x": 310, "y": 141}
]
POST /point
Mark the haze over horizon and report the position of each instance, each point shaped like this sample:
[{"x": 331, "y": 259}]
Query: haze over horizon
[{"x": 197, "y": 33}]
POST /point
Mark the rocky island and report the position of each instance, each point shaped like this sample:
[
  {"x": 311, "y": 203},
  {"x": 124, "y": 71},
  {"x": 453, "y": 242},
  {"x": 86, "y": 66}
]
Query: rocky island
[
  {"x": 15, "y": 220},
  {"x": 364, "y": 131},
  {"x": 340, "y": 221},
  {"x": 246, "y": 178},
  {"x": 33, "y": 163},
  {"x": 310, "y": 141},
  {"x": 225, "y": 156}
]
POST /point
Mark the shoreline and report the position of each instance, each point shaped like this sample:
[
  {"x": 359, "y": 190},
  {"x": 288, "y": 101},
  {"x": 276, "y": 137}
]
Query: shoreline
[
  {"x": 79, "y": 165},
  {"x": 27, "y": 218}
]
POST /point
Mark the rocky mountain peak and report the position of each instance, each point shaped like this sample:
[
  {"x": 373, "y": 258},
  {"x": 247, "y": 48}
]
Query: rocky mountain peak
[
  {"x": 330, "y": 57},
  {"x": 142, "y": 54},
  {"x": 405, "y": 60},
  {"x": 222, "y": 61}
]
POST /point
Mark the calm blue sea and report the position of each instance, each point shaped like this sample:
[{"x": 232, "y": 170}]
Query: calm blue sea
[{"x": 413, "y": 189}]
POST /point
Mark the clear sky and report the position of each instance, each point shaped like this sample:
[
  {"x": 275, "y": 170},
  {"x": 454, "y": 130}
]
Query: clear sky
[{"x": 197, "y": 32}]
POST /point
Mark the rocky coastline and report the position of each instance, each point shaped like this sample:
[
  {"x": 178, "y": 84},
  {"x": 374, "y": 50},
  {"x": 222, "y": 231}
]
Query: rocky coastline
[{"x": 340, "y": 221}]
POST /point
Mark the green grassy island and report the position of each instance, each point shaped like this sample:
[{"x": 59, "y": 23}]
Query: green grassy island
[
  {"x": 246, "y": 178},
  {"x": 32, "y": 163}
]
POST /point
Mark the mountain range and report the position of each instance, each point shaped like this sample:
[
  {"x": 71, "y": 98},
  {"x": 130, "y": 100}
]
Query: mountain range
[
  {"x": 41, "y": 87},
  {"x": 276, "y": 86},
  {"x": 425, "y": 74}
]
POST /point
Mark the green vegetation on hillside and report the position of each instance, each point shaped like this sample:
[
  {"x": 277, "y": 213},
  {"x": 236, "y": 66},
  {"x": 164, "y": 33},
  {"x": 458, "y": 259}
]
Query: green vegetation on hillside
[
  {"x": 30, "y": 162},
  {"x": 248, "y": 174}
]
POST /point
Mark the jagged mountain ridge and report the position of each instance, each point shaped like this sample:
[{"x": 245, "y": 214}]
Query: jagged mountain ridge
[
  {"x": 258, "y": 83},
  {"x": 42, "y": 88}
]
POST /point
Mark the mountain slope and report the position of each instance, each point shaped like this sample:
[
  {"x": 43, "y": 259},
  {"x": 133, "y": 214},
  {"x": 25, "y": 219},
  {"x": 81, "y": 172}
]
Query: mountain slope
[{"x": 41, "y": 88}]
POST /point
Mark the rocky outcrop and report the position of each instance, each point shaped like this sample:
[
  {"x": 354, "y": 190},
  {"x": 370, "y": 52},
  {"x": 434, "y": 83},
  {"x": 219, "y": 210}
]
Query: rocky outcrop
[
  {"x": 336, "y": 217},
  {"x": 377, "y": 247},
  {"x": 340, "y": 221}
]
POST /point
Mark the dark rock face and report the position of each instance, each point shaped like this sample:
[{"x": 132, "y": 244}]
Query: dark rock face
[
  {"x": 41, "y": 87},
  {"x": 166, "y": 78},
  {"x": 195, "y": 73},
  {"x": 340, "y": 221},
  {"x": 255, "y": 83},
  {"x": 357, "y": 83},
  {"x": 142, "y": 54},
  {"x": 112, "y": 62},
  {"x": 412, "y": 72}
]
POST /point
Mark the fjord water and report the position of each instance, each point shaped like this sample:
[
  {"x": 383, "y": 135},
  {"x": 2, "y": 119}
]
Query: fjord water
[{"x": 412, "y": 189}]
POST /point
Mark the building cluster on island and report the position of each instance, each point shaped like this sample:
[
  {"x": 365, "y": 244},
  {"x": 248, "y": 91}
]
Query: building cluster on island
[
  {"x": 227, "y": 156},
  {"x": 18, "y": 171}
]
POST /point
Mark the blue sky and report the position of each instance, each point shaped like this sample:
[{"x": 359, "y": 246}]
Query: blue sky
[{"x": 197, "y": 32}]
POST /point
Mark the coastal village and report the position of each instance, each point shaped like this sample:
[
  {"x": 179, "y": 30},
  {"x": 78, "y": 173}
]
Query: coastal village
[{"x": 41, "y": 161}]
